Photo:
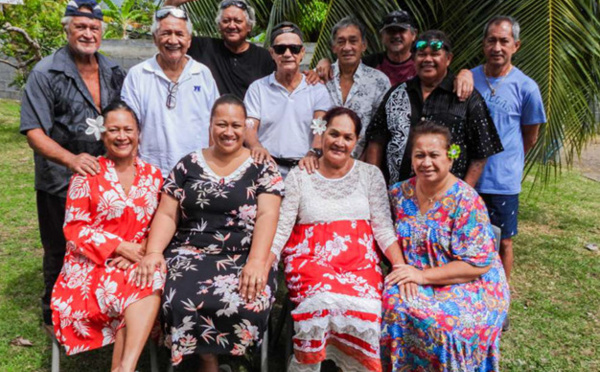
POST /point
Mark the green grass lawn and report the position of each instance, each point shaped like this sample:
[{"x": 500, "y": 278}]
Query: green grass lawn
[{"x": 555, "y": 311}]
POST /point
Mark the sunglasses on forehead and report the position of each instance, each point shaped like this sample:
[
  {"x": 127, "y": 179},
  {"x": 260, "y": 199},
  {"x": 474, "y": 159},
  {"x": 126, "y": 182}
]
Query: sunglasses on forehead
[
  {"x": 434, "y": 44},
  {"x": 238, "y": 4},
  {"x": 281, "y": 48},
  {"x": 175, "y": 12}
]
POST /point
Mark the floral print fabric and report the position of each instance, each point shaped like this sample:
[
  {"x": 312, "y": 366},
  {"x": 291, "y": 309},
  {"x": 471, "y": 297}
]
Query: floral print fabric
[
  {"x": 90, "y": 297},
  {"x": 453, "y": 327},
  {"x": 202, "y": 310}
]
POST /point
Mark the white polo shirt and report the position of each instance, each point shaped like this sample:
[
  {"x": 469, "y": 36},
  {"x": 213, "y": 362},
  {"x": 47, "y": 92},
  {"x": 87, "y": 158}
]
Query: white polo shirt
[
  {"x": 285, "y": 117},
  {"x": 167, "y": 135}
]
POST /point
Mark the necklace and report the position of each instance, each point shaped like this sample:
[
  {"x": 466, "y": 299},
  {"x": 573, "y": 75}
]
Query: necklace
[{"x": 497, "y": 84}]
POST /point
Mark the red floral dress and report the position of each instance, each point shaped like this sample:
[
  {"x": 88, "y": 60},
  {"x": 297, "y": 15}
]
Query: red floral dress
[{"x": 90, "y": 297}]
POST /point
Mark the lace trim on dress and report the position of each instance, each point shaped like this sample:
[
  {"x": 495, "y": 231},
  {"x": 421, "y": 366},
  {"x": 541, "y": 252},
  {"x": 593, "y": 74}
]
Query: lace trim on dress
[
  {"x": 328, "y": 301},
  {"x": 226, "y": 179},
  {"x": 315, "y": 329}
]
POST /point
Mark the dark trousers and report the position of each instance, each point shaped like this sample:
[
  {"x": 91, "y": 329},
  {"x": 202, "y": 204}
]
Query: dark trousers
[{"x": 51, "y": 216}]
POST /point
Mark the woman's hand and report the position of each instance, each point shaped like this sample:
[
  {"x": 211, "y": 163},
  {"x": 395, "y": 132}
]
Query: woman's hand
[
  {"x": 131, "y": 251},
  {"x": 147, "y": 267},
  {"x": 120, "y": 263},
  {"x": 253, "y": 279},
  {"x": 405, "y": 274}
]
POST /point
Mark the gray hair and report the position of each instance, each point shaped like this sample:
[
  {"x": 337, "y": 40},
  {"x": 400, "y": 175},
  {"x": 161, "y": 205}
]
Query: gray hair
[
  {"x": 156, "y": 24},
  {"x": 249, "y": 12},
  {"x": 516, "y": 28},
  {"x": 65, "y": 21},
  {"x": 347, "y": 22}
]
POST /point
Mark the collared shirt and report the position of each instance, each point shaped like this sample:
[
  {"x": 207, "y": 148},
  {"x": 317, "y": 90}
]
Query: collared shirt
[
  {"x": 517, "y": 101},
  {"x": 364, "y": 97},
  {"x": 57, "y": 100},
  {"x": 403, "y": 107},
  {"x": 285, "y": 117},
  {"x": 233, "y": 72},
  {"x": 167, "y": 135}
]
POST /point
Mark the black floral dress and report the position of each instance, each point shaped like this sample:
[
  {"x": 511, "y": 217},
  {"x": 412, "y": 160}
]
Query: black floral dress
[{"x": 202, "y": 310}]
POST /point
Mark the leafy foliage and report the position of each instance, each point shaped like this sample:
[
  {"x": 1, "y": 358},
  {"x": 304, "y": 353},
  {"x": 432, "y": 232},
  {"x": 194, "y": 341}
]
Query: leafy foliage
[
  {"x": 29, "y": 32},
  {"x": 132, "y": 19}
]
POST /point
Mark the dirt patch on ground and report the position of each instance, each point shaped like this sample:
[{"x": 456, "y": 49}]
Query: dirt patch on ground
[{"x": 589, "y": 163}]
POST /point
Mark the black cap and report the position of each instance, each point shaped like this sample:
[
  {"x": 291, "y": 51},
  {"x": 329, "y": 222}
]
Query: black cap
[
  {"x": 74, "y": 5},
  {"x": 284, "y": 28},
  {"x": 398, "y": 18}
]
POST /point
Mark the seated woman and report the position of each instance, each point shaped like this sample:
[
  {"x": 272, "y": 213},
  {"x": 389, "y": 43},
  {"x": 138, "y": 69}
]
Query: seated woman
[
  {"x": 217, "y": 219},
  {"x": 95, "y": 301},
  {"x": 334, "y": 216},
  {"x": 454, "y": 321}
]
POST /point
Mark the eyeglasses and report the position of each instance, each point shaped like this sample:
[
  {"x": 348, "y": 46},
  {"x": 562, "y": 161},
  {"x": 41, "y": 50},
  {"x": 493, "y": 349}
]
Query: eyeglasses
[
  {"x": 171, "y": 97},
  {"x": 171, "y": 10},
  {"x": 281, "y": 48},
  {"x": 237, "y": 3},
  {"x": 434, "y": 44}
]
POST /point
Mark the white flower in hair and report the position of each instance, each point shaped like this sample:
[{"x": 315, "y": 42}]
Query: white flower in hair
[
  {"x": 96, "y": 127},
  {"x": 318, "y": 126}
]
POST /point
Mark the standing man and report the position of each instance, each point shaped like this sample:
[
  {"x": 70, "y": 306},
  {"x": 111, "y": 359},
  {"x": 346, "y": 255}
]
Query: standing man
[
  {"x": 171, "y": 94},
  {"x": 516, "y": 106},
  {"x": 429, "y": 96},
  {"x": 281, "y": 106},
  {"x": 63, "y": 90}
]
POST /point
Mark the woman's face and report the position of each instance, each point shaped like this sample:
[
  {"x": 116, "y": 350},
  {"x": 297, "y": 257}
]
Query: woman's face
[
  {"x": 121, "y": 135},
  {"x": 227, "y": 128},
  {"x": 430, "y": 158},
  {"x": 339, "y": 140}
]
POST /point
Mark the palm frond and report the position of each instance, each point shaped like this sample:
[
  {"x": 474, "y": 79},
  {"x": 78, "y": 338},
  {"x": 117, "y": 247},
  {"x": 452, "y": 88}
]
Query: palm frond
[{"x": 202, "y": 13}]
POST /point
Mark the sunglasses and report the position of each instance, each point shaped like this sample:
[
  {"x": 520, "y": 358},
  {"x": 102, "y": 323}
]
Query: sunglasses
[
  {"x": 281, "y": 48},
  {"x": 169, "y": 10},
  {"x": 237, "y": 3},
  {"x": 435, "y": 45},
  {"x": 171, "y": 97}
]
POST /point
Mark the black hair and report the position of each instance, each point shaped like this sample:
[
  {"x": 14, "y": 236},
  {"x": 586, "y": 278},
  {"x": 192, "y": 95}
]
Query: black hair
[
  {"x": 347, "y": 22},
  {"x": 428, "y": 127},
  {"x": 339, "y": 111},
  {"x": 433, "y": 35},
  {"x": 228, "y": 99},
  {"x": 119, "y": 104}
]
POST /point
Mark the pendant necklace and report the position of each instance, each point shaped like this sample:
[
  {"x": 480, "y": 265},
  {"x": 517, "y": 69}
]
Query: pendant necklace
[{"x": 497, "y": 84}]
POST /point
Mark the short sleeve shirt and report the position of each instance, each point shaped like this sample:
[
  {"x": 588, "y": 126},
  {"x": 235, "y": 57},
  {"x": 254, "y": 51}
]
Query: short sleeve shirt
[
  {"x": 469, "y": 122},
  {"x": 57, "y": 101},
  {"x": 516, "y": 102},
  {"x": 397, "y": 72},
  {"x": 285, "y": 117},
  {"x": 233, "y": 72}
]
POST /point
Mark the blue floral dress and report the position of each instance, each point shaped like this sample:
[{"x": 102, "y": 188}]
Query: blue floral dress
[
  {"x": 453, "y": 327},
  {"x": 202, "y": 310}
]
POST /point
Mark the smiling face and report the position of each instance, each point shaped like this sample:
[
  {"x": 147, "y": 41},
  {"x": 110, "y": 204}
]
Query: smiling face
[
  {"x": 432, "y": 65},
  {"x": 349, "y": 45},
  {"x": 339, "y": 140},
  {"x": 398, "y": 40},
  {"x": 234, "y": 26},
  {"x": 121, "y": 135},
  {"x": 430, "y": 158},
  {"x": 227, "y": 128},
  {"x": 499, "y": 44},
  {"x": 172, "y": 39},
  {"x": 287, "y": 62},
  {"x": 84, "y": 35}
]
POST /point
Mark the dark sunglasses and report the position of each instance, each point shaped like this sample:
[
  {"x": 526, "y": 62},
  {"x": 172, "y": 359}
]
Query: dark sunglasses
[
  {"x": 435, "y": 45},
  {"x": 171, "y": 10},
  {"x": 281, "y": 48},
  {"x": 239, "y": 4}
]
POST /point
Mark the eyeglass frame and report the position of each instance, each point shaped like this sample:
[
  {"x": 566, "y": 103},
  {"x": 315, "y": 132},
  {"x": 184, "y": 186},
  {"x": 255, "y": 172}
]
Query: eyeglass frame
[
  {"x": 168, "y": 10},
  {"x": 291, "y": 47},
  {"x": 171, "y": 96},
  {"x": 237, "y": 3},
  {"x": 434, "y": 44}
]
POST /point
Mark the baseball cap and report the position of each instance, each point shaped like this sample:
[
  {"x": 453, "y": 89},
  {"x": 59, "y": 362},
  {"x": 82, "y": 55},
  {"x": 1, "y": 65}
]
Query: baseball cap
[
  {"x": 74, "y": 5},
  {"x": 398, "y": 18},
  {"x": 284, "y": 28}
]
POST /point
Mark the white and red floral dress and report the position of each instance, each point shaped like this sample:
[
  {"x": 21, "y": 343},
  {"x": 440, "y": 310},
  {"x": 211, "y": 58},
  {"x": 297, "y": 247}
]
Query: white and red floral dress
[
  {"x": 90, "y": 297},
  {"x": 328, "y": 233}
]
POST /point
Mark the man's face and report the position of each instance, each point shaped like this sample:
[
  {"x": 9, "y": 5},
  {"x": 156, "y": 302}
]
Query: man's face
[
  {"x": 432, "y": 65},
  {"x": 287, "y": 61},
  {"x": 234, "y": 26},
  {"x": 499, "y": 44},
  {"x": 84, "y": 34},
  {"x": 349, "y": 45},
  {"x": 172, "y": 39},
  {"x": 397, "y": 39}
]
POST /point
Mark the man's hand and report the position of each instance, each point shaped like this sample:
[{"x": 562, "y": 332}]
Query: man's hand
[
  {"x": 324, "y": 70},
  {"x": 312, "y": 78},
  {"x": 260, "y": 154},
  {"x": 83, "y": 164},
  {"x": 463, "y": 84},
  {"x": 310, "y": 162}
]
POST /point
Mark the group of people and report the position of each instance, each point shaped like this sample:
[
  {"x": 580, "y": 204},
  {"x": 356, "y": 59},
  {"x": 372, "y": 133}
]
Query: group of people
[{"x": 174, "y": 191}]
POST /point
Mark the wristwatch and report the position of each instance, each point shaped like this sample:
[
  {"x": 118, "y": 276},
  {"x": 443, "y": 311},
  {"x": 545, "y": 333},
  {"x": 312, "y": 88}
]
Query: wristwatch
[{"x": 317, "y": 151}]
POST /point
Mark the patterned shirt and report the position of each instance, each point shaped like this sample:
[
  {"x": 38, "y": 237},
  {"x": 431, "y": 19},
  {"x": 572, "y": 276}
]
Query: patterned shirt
[
  {"x": 364, "y": 96},
  {"x": 403, "y": 107}
]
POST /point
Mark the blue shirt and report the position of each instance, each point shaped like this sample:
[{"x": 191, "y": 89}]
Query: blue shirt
[{"x": 517, "y": 102}]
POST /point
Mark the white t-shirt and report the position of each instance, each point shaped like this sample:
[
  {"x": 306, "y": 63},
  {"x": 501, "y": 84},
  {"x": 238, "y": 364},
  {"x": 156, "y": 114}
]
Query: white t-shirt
[
  {"x": 285, "y": 117},
  {"x": 167, "y": 135}
]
